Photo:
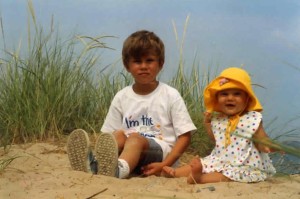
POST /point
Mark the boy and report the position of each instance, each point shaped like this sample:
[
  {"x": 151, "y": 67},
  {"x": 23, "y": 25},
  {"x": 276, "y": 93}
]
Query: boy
[{"x": 147, "y": 126}]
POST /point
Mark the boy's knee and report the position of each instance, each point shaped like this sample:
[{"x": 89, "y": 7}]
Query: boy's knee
[
  {"x": 135, "y": 135},
  {"x": 120, "y": 136},
  {"x": 119, "y": 133},
  {"x": 137, "y": 139}
]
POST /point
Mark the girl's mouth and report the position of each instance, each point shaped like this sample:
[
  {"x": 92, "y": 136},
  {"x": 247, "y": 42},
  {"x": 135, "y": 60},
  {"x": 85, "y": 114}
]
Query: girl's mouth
[{"x": 230, "y": 105}]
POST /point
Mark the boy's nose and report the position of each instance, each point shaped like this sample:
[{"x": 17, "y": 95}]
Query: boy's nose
[{"x": 144, "y": 64}]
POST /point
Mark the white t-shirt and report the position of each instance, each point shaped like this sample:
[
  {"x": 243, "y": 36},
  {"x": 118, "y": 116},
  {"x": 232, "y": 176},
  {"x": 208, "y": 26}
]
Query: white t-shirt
[{"x": 161, "y": 115}]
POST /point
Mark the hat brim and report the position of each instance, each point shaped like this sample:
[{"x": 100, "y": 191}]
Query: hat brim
[{"x": 210, "y": 94}]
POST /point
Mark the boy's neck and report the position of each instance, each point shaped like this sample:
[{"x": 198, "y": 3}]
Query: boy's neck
[{"x": 145, "y": 89}]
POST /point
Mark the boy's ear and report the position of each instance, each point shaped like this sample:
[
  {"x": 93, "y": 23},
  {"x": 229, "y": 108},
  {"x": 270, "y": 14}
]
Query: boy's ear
[
  {"x": 127, "y": 68},
  {"x": 161, "y": 64}
]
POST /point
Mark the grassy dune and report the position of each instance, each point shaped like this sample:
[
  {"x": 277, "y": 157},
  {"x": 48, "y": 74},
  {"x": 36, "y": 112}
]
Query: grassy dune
[{"x": 55, "y": 86}]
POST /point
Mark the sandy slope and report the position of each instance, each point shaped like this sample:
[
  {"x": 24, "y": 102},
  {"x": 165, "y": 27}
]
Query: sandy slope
[{"x": 42, "y": 171}]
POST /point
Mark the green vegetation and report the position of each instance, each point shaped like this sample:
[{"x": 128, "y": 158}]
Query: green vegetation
[
  {"x": 54, "y": 87},
  {"x": 5, "y": 162},
  {"x": 50, "y": 89}
]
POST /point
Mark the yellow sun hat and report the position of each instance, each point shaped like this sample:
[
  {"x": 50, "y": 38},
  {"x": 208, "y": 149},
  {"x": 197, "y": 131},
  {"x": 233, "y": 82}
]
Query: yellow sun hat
[{"x": 228, "y": 79}]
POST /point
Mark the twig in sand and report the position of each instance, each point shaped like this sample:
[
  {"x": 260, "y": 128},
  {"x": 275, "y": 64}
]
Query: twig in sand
[{"x": 97, "y": 193}]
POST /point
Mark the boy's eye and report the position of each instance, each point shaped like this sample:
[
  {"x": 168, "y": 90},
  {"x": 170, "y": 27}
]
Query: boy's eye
[
  {"x": 136, "y": 61},
  {"x": 150, "y": 60},
  {"x": 147, "y": 61}
]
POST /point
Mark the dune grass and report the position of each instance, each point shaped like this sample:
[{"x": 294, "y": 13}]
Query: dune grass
[
  {"x": 4, "y": 163},
  {"x": 50, "y": 89},
  {"x": 56, "y": 86}
]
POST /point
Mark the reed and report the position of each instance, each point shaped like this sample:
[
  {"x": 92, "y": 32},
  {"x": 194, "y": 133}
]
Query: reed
[
  {"x": 5, "y": 162},
  {"x": 49, "y": 90}
]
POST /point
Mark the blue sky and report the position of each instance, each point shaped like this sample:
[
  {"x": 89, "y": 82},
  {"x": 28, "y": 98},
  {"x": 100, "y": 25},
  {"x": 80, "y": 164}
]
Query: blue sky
[{"x": 263, "y": 36}]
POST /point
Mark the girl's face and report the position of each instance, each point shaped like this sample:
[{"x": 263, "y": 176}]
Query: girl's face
[
  {"x": 145, "y": 69},
  {"x": 232, "y": 101}
]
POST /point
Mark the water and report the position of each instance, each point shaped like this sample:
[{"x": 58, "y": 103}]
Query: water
[{"x": 287, "y": 164}]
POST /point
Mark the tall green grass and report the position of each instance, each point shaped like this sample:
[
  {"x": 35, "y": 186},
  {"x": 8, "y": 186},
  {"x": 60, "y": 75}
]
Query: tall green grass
[
  {"x": 54, "y": 87},
  {"x": 191, "y": 87},
  {"x": 50, "y": 89}
]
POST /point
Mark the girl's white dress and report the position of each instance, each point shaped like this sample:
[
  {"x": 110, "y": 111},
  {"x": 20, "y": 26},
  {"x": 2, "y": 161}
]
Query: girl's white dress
[{"x": 239, "y": 161}]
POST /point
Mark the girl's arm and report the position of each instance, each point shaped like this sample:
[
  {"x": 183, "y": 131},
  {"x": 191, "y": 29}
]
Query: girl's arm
[
  {"x": 207, "y": 125},
  {"x": 262, "y": 141}
]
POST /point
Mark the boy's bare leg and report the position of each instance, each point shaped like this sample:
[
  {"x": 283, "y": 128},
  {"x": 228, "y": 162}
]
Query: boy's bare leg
[
  {"x": 121, "y": 139},
  {"x": 133, "y": 148}
]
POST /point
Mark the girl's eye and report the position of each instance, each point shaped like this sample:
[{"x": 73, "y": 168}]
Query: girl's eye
[
  {"x": 223, "y": 94},
  {"x": 237, "y": 94}
]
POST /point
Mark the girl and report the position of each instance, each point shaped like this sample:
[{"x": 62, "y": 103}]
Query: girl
[{"x": 234, "y": 122}]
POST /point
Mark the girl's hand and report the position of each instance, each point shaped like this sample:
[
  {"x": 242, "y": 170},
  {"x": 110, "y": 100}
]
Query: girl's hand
[
  {"x": 207, "y": 117},
  {"x": 207, "y": 125}
]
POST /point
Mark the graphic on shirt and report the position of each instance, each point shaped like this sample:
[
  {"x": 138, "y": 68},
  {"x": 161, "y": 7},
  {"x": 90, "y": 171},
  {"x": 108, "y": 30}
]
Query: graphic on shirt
[{"x": 143, "y": 125}]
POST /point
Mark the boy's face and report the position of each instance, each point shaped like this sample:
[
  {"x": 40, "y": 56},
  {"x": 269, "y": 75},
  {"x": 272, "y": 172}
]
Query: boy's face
[
  {"x": 144, "y": 69},
  {"x": 232, "y": 101}
]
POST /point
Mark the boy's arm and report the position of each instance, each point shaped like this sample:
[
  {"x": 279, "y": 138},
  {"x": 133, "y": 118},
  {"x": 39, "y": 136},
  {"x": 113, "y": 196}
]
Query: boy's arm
[{"x": 180, "y": 146}]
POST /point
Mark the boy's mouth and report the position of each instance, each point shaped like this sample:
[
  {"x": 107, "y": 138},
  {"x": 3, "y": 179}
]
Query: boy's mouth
[{"x": 143, "y": 74}]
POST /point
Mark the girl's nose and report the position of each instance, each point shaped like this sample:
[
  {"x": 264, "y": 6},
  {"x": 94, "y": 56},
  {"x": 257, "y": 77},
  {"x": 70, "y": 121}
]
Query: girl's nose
[{"x": 230, "y": 97}]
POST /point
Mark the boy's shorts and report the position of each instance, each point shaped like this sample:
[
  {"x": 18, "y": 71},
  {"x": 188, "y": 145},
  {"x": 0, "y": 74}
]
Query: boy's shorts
[{"x": 154, "y": 154}]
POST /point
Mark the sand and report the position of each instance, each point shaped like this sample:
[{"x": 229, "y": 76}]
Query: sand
[{"x": 42, "y": 170}]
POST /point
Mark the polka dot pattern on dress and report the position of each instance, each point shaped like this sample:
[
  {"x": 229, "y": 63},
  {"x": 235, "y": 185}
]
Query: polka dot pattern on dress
[{"x": 240, "y": 161}]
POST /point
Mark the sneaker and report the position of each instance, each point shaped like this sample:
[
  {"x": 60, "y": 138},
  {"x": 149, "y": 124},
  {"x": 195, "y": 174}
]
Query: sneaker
[
  {"x": 78, "y": 149},
  {"x": 106, "y": 152}
]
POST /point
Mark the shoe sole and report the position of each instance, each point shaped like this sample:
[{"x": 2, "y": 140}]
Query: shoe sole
[
  {"x": 106, "y": 152},
  {"x": 78, "y": 149}
]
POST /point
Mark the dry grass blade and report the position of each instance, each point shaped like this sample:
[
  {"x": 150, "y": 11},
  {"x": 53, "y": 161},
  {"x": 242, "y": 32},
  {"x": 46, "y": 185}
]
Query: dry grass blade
[
  {"x": 2, "y": 31},
  {"x": 5, "y": 162},
  {"x": 97, "y": 193}
]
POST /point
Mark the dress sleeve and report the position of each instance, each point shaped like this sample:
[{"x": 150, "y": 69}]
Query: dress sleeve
[{"x": 249, "y": 123}]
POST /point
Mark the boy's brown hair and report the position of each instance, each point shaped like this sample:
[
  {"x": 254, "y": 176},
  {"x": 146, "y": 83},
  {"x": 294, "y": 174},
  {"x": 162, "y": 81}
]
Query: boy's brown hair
[{"x": 141, "y": 43}]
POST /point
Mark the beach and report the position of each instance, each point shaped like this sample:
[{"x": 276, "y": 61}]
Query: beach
[{"x": 42, "y": 170}]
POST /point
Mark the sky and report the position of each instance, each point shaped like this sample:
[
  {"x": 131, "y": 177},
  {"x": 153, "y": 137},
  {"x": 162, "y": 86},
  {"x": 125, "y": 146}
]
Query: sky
[{"x": 262, "y": 36}]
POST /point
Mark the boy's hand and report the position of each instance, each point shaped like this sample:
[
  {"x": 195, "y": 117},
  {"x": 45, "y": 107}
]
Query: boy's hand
[{"x": 154, "y": 168}]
